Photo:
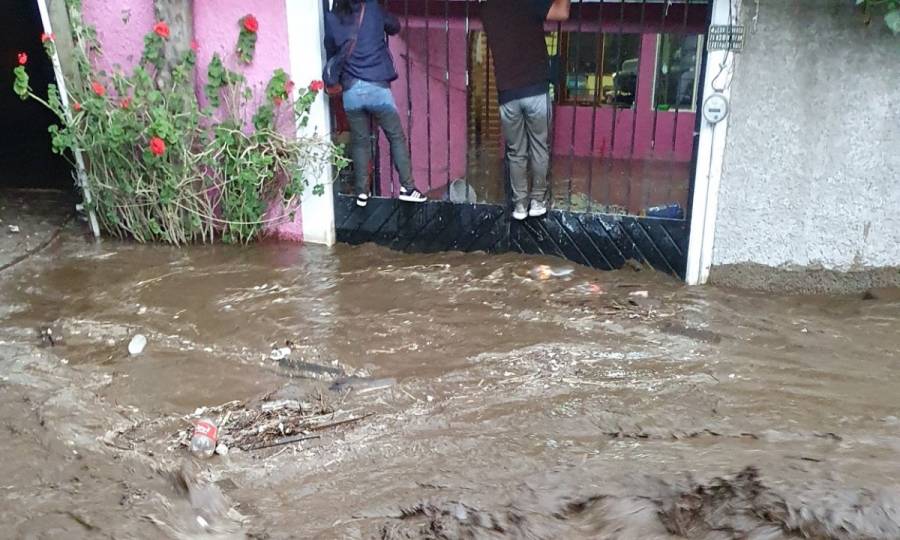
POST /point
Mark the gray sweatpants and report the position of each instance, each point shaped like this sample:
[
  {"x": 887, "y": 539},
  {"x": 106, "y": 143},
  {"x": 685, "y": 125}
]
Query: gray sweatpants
[{"x": 526, "y": 127}]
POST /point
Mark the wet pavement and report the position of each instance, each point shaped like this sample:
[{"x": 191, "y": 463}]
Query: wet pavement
[
  {"x": 487, "y": 403},
  {"x": 29, "y": 221}
]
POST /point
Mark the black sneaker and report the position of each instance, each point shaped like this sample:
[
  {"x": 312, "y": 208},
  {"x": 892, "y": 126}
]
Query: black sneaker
[
  {"x": 362, "y": 200},
  {"x": 412, "y": 195}
]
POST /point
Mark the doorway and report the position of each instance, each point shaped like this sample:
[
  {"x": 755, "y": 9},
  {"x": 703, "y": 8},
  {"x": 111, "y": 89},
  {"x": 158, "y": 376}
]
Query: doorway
[{"x": 26, "y": 160}]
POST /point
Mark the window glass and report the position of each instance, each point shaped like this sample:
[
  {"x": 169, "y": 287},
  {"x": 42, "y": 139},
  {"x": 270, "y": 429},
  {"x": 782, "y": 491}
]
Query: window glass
[
  {"x": 677, "y": 72},
  {"x": 599, "y": 68},
  {"x": 620, "y": 68}
]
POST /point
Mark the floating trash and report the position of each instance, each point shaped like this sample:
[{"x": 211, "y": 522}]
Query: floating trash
[
  {"x": 204, "y": 438},
  {"x": 137, "y": 345},
  {"x": 544, "y": 272},
  {"x": 280, "y": 354}
]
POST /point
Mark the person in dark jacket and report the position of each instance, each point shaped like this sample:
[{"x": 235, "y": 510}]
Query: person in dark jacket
[
  {"x": 515, "y": 33},
  {"x": 366, "y": 79}
]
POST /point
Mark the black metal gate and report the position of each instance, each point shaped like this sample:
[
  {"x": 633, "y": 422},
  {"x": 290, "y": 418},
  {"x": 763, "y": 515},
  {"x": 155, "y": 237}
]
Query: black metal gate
[{"x": 626, "y": 92}]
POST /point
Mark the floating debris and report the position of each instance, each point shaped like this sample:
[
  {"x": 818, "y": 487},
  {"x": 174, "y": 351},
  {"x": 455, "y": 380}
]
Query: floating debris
[
  {"x": 280, "y": 353},
  {"x": 137, "y": 344},
  {"x": 48, "y": 337},
  {"x": 204, "y": 438},
  {"x": 361, "y": 385},
  {"x": 309, "y": 369},
  {"x": 543, "y": 272},
  {"x": 266, "y": 424},
  {"x": 590, "y": 289}
]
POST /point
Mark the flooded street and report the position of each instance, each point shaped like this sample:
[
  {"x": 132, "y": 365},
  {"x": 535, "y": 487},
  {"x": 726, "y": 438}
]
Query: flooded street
[{"x": 482, "y": 401}]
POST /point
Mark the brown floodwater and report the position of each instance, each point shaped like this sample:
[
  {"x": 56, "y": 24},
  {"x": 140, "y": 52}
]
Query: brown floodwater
[{"x": 504, "y": 407}]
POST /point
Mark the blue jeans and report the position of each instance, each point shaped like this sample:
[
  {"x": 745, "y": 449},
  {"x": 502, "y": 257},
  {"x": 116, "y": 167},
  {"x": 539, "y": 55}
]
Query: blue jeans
[{"x": 364, "y": 102}]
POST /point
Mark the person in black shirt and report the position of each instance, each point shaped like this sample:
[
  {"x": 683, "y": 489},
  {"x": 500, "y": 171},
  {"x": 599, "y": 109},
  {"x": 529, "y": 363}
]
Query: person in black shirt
[{"x": 515, "y": 32}]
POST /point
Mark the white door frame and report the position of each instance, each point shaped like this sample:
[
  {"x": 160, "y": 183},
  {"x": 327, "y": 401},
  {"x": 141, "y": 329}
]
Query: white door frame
[
  {"x": 81, "y": 175},
  {"x": 710, "y": 154},
  {"x": 306, "y": 31}
]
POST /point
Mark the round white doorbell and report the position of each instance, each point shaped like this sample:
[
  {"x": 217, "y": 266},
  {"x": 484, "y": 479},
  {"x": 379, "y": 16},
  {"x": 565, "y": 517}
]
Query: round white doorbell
[{"x": 715, "y": 108}]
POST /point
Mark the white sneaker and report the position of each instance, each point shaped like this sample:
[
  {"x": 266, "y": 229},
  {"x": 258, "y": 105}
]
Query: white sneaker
[
  {"x": 412, "y": 195},
  {"x": 538, "y": 209},
  {"x": 362, "y": 200},
  {"x": 520, "y": 212}
]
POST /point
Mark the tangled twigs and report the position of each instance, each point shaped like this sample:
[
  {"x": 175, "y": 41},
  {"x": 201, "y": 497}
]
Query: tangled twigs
[
  {"x": 269, "y": 423},
  {"x": 281, "y": 442}
]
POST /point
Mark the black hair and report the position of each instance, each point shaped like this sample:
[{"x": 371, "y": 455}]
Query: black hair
[{"x": 343, "y": 7}]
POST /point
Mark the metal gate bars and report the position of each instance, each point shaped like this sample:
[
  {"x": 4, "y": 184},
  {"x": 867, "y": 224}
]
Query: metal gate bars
[{"x": 624, "y": 83}]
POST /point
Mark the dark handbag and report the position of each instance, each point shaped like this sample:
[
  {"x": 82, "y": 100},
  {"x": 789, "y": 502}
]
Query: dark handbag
[{"x": 334, "y": 67}]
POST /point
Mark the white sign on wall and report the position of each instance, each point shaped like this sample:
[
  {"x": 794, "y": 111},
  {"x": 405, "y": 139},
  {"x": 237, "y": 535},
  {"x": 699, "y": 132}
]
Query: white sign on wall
[{"x": 725, "y": 37}]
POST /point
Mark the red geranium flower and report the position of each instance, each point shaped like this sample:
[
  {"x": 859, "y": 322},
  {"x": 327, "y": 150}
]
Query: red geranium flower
[
  {"x": 289, "y": 87},
  {"x": 251, "y": 24},
  {"x": 157, "y": 146},
  {"x": 316, "y": 86},
  {"x": 195, "y": 45},
  {"x": 125, "y": 103},
  {"x": 23, "y": 59},
  {"x": 76, "y": 106},
  {"x": 45, "y": 37},
  {"x": 161, "y": 29},
  {"x": 98, "y": 88}
]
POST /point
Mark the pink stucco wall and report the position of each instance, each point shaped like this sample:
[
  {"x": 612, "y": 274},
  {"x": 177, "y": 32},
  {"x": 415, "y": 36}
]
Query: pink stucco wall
[
  {"x": 122, "y": 24},
  {"x": 216, "y": 29}
]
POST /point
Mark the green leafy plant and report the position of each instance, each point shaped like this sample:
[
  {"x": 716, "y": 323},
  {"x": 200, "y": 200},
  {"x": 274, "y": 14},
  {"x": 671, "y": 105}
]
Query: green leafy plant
[
  {"x": 891, "y": 9},
  {"x": 164, "y": 167},
  {"x": 246, "y": 47},
  {"x": 218, "y": 77}
]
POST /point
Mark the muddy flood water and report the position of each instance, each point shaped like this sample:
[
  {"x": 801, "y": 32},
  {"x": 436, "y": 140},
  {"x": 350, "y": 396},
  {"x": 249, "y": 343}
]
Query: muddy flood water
[{"x": 438, "y": 396}]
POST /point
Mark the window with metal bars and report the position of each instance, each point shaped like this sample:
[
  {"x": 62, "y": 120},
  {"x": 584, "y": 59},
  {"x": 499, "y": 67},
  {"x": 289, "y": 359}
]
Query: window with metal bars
[
  {"x": 599, "y": 68},
  {"x": 621, "y": 79},
  {"x": 677, "y": 72}
]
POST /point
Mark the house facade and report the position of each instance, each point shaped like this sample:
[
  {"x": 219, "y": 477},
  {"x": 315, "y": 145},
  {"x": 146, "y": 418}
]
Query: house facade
[{"x": 797, "y": 185}]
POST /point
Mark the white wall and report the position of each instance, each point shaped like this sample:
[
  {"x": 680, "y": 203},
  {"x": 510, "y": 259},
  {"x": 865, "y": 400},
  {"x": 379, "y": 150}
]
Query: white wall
[
  {"x": 306, "y": 37},
  {"x": 811, "y": 173}
]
